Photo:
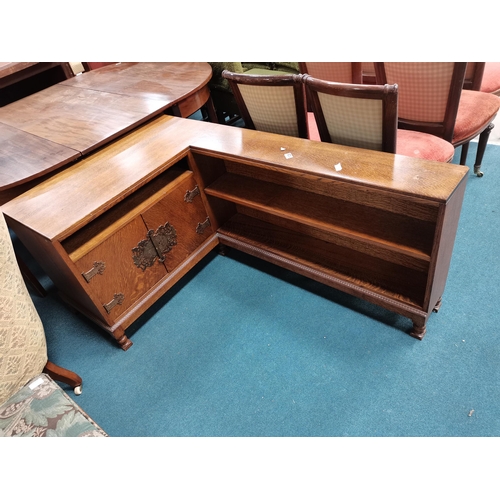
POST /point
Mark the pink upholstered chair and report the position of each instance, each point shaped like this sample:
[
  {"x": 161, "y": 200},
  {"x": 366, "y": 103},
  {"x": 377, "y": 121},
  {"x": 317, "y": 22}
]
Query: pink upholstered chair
[
  {"x": 270, "y": 103},
  {"x": 431, "y": 100},
  {"x": 474, "y": 75},
  {"x": 366, "y": 116},
  {"x": 491, "y": 78},
  {"x": 340, "y": 72},
  {"x": 483, "y": 76},
  {"x": 368, "y": 73}
]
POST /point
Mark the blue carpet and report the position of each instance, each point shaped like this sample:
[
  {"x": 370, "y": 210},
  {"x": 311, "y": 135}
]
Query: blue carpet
[{"x": 240, "y": 347}]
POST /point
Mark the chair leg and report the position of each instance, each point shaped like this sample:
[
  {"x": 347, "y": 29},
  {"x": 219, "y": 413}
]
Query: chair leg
[
  {"x": 481, "y": 148},
  {"x": 62, "y": 375},
  {"x": 463, "y": 153}
]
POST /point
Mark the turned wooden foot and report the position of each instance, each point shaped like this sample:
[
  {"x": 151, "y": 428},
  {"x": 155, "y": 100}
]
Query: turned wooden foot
[
  {"x": 123, "y": 341},
  {"x": 437, "y": 306},
  {"x": 223, "y": 249},
  {"x": 61, "y": 374},
  {"x": 418, "y": 332}
]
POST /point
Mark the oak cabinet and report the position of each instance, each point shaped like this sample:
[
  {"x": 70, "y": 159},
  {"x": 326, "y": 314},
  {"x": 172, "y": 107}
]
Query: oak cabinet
[{"x": 119, "y": 228}]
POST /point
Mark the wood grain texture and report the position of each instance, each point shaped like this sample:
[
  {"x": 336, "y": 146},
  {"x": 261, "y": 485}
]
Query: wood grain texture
[
  {"x": 24, "y": 157},
  {"x": 87, "y": 111},
  {"x": 167, "y": 81},
  {"x": 80, "y": 119}
]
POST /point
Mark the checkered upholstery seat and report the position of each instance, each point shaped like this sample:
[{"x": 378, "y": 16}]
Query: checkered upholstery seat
[
  {"x": 491, "y": 78},
  {"x": 431, "y": 100},
  {"x": 365, "y": 116}
]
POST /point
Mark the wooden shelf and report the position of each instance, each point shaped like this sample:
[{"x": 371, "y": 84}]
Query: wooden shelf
[
  {"x": 390, "y": 246},
  {"x": 336, "y": 263},
  {"x": 383, "y": 231}
]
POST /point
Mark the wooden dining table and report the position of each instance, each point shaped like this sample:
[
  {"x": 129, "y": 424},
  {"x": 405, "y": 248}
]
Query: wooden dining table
[{"x": 53, "y": 128}]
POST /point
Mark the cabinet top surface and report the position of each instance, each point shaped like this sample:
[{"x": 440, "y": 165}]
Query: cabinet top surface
[{"x": 86, "y": 189}]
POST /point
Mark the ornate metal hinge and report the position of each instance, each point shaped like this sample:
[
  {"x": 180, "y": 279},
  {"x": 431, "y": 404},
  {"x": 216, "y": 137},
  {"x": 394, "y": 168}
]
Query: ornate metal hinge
[
  {"x": 118, "y": 299},
  {"x": 154, "y": 246},
  {"x": 98, "y": 268},
  {"x": 200, "y": 228},
  {"x": 188, "y": 197}
]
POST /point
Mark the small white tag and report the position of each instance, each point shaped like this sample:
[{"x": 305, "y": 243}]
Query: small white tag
[
  {"x": 35, "y": 383},
  {"x": 338, "y": 167},
  {"x": 283, "y": 149},
  {"x": 288, "y": 155}
]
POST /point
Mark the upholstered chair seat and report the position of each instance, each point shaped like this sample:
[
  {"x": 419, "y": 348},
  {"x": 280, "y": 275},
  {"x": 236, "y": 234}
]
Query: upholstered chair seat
[
  {"x": 475, "y": 109},
  {"x": 365, "y": 116},
  {"x": 425, "y": 146},
  {"x": 433, "y": 100},
  {"x": 491, "y": 78}
]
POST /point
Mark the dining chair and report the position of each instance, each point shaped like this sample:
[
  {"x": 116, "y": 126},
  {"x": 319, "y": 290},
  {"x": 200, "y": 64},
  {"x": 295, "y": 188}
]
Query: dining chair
[
  {"x": 341, "y": 72},
  {"x": 432, "y": 100},
  {"x": 368, "y": 73},
  {"x": 491, "y": 78},
  {"x": 366, "y": 116},
  {"x": 474, "y": 75},
  {"x": 270, "y": 103}
]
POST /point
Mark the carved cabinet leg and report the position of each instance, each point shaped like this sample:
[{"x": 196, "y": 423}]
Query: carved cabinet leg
[
  {"x": 438, "y": 305},
  {"x": 418, "y": 331},
  {"x": 222, "y": 249},
  {"x": 123, "y": 341}
]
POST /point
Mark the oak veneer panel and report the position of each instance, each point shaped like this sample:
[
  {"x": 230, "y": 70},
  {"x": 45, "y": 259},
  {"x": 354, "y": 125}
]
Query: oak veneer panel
[
  {"x": 120, "y": 274},
  {"x": 117, "y": 217},
  {"x": 183, "y": 216}
]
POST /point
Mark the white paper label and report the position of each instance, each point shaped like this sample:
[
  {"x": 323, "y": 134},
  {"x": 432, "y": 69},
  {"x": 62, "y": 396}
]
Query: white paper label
[{"x": 35, "y": 383}]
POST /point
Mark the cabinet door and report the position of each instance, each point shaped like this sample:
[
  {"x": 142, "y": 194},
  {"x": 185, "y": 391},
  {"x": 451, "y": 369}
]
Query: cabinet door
[
  {"x": 181, "y": 209},
  {"x": 122, "y": 282}
]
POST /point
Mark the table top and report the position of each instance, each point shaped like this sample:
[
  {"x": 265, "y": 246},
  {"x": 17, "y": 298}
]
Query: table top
[
  {"x": 53, "y": 127},
  {"x": 170, "y": 82},
  {"x": 12, "y": 72}
]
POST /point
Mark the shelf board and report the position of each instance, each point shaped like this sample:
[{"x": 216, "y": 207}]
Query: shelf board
[
  {"x": 336, "y": 266},
  {"x": 387, "y": 231}
]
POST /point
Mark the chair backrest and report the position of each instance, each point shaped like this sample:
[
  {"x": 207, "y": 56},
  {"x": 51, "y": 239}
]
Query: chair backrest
[
  {"x": 368, "y": 73},
  {"x": 340, "y": 72},
  {"x": 270, "y": 103},
  {"x": 429, "y": 94},
  {"x": 23, "y": 350},
  {"x": 474, "y": 75},
  {"x": 363, "y": 116}
]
